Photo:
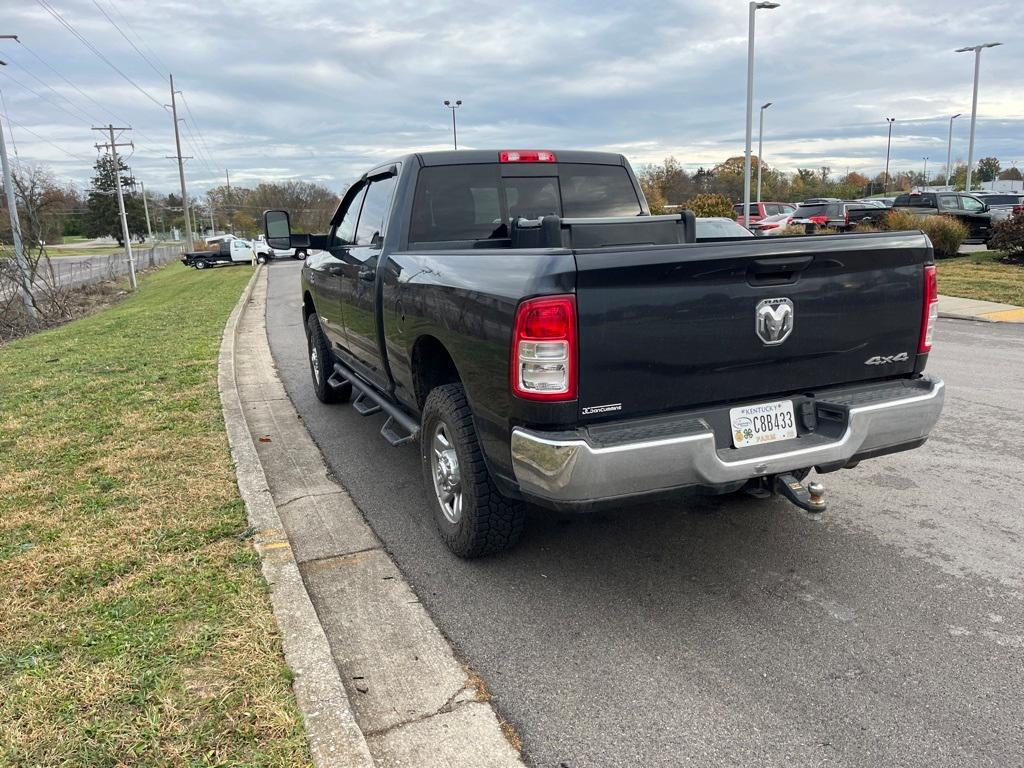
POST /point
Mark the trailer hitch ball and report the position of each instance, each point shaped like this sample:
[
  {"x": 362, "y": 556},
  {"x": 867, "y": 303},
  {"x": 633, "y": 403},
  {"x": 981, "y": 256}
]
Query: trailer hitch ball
[
  {"x": 810, "y": 497},
  {"x": 817, "y": 492}
]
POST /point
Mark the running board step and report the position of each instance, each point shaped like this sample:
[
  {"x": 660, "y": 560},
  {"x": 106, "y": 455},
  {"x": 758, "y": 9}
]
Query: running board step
[
  {"x": 390, "y": 432},
  {"x": 365, "y": 405},
  {"x": 399, "y": 428}
]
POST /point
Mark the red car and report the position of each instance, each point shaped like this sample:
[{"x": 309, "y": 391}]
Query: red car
[{"x": 759, "y": 210}]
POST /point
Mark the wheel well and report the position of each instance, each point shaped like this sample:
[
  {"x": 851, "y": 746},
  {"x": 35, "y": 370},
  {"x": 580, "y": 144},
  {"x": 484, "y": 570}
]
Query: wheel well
[
  {"x": 432, "y": 366},
  {"x": 307, "y": 307}
]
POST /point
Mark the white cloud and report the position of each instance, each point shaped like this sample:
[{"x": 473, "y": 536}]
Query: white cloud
[{"x": 323, "y": 90}]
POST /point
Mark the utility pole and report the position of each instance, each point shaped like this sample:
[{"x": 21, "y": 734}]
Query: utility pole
[
  {"x": 974, "y": 104},
  {"x": 949, "y": 149},
  {"x": 113, "y": 145},
  {"x": 145, "y": 207},
  {"x": 19, "y": 246},
  {"x": 181, "y": 168},
  {"x": 754, "y": 7},
  {"x": 888, "y": 146}
]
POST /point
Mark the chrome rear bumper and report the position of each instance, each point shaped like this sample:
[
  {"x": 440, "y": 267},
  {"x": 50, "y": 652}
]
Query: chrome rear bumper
[{"x": 570, "y": 468}]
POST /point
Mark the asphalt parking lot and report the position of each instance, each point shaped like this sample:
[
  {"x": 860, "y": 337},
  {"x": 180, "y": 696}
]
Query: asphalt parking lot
[{"x": 729, "y": 631}]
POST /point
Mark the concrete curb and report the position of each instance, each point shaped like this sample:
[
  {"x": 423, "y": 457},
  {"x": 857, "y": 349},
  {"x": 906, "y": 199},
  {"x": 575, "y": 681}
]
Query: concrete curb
[
  {"x": 335, "y": 739},
  {"x": 957, "y": 316},
  {"x": 377, "y": 681}
]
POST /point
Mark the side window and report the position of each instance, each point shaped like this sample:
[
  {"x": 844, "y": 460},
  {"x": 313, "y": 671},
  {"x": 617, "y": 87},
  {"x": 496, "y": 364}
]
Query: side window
[
  {"x": 972, "y": 204},
  {"x": 948, "y": 203},
  {"x": 346, "y": 230},
  {"x": 376, "y": 204},
  {"x": 772, "y": 209}
]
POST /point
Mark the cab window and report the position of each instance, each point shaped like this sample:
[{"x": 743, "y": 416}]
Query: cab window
[
  {"x": 345, "y": 232},
  {"x": 972, "y": 204},
  {"x": 376, "y": 204},
  {"x": 948, "y": 203}
]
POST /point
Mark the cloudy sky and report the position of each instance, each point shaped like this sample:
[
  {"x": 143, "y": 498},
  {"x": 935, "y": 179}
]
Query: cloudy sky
[{"x": 321, "y": 90}]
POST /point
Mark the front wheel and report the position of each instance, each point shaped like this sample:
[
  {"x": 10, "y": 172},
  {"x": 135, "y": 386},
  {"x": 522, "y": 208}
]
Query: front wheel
[
  {"x": 321, "y": 364},
  {"x": 473, "y": 517}
]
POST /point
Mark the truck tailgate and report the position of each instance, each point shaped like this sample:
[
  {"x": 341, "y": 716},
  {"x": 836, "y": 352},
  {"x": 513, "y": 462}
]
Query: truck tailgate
[{"x": 665, "y": 328}]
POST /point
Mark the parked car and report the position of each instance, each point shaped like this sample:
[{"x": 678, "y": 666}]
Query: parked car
[
  {"x": 969, "y": 209},
  {"x": 261, "y": 246},
  {"x": 837, "y": 214},
  {"x": 1002, "y": 204},
  {"x": 545, "y": 340},
  {"x": 720, "y": 228},
  {"x": 760, "y": 210},
  {"x": 226, "y": 251},
  {"x": 772, "y": 225}
]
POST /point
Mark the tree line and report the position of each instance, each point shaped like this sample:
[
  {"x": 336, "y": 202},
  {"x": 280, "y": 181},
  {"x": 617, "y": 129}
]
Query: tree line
[
  {"x": 669, "y": 184},
  {"x": 50, "y": 210}
]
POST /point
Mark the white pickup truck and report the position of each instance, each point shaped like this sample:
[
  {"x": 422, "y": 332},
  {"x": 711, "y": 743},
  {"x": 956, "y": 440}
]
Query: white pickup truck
[{"x": 226, "y": 251}]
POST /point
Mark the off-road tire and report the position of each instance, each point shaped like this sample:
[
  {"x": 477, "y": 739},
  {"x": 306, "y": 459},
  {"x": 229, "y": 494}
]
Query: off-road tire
[
  {"x": 315, "y": 340},
  {"x": 490, "y": 522}
]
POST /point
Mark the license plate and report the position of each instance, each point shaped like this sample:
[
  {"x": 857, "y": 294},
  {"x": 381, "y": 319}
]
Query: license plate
[{"x": 762, "y": 423}]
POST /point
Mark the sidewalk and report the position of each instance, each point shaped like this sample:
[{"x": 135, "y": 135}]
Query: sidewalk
[
  {"x": 377, "y": 682},
  {"x": 975, "y": 309}
]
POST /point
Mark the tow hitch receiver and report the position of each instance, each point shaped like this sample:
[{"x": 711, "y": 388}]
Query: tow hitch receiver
[{"x": 809, "y": 497}]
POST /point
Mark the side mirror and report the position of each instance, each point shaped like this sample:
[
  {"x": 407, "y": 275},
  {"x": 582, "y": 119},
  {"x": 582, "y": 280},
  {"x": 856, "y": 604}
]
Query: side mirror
[{"x": 278, "y": 229}]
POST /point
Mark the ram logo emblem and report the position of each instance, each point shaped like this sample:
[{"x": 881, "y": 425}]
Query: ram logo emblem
[{"x": 773, "y": 320}]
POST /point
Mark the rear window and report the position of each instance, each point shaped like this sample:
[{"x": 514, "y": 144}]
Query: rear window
[
  {"x": 473, "y": 202},
  {"x": 806, "y": 211},
  {"x": 926, "y": 200},
  {"x": 1001, "y": 199}
]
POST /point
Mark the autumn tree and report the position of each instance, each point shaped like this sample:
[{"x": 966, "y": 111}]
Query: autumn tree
[{"x": 988, "y": 169}]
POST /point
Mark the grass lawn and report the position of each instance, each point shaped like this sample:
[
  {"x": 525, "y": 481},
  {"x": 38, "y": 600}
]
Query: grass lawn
[
  {"x": 981, "y": 275},
  {"x": 135, "y": 628}
]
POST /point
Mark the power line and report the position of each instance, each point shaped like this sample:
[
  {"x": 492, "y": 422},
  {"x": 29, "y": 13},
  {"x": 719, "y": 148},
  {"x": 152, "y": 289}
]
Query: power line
[
  {"x": 89, "y": 118},
  {"x": 133, "y": 45},
  {"x": 138, "y": 37},
  {"x": 47, "y": 141},
  {"x": 62, "y": 77},
  {"x": 70, "y": 27},
  {"x": 198, "y": 129},
  {"x": 79, "y": 117}
]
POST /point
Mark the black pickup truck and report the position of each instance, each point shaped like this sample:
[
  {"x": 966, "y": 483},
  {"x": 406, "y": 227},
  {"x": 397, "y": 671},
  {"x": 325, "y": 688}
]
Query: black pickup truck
[{"x": 548, "y": 341}]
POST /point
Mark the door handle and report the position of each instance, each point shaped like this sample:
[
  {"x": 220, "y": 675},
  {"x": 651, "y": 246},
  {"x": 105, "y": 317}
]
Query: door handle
[{"x": 366, "y": 275}]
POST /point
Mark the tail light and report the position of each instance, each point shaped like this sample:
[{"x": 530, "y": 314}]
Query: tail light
[
  {"x": 846, "y": 217},
  {"x": 544, "y": 350},
  {"x": 526, "y": 156},
  {"x": 930, "y": 313},
  {"x": 1018, "y": 209}
]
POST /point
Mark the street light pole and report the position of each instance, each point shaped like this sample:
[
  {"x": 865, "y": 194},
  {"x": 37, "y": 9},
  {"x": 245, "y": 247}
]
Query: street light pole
[
  {"x": 974, "y": 104},
  {"x": 888, "y": 146},
  {"x": 754, "y": 7},
  {"x": 949, "y": 149},
  {"x": 453, "y": 107},
  {"x": 760, "y": 149}
]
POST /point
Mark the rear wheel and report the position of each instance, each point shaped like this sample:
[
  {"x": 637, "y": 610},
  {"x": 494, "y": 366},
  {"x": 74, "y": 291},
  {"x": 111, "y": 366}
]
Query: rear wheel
[
  {"x": 261, "y": 259},
  {"x": 321, "y": 364},
  {"x": 200, "y": 264},
  {"x": 473, "y": 517}
]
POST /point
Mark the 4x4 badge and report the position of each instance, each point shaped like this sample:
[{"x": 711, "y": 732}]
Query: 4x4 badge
[{"x": 773, "y": 320}]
